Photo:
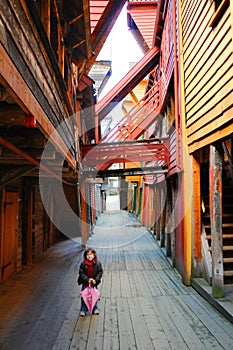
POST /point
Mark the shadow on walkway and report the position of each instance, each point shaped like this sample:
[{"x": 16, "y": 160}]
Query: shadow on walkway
[{"x": 143, "y": 304}]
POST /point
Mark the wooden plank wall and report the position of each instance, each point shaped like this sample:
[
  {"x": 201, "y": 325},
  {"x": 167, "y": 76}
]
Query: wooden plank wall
[
  {"x": 208, "y": 73},
  {"x": 38, "y": 228}
]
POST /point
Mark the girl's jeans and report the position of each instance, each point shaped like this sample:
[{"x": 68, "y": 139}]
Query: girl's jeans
[{"x": 84, "y": 306}]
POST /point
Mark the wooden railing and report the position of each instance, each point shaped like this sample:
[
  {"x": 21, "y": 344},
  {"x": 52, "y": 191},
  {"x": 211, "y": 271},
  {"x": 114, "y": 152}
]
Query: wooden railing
[{"x": 102, "y": 155}]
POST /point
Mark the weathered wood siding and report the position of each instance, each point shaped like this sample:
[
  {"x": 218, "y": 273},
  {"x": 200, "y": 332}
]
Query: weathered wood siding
[
  {"x": 31, "y": 71},
  {"x": 208, "y": 73}
]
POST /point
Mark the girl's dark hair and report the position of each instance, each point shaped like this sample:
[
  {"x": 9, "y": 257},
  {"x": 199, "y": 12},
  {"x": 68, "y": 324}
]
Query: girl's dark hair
[{"x": 90, "y": 250}]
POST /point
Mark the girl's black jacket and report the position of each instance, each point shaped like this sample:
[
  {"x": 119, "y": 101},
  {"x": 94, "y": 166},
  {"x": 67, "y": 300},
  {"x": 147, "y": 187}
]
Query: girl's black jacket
[{"x": 97, "y": 273}]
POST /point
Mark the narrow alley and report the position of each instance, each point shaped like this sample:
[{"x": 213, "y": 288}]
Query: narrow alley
[{"x": 143, "y": 304}]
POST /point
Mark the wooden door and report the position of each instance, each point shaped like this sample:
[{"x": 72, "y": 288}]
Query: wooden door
[{"x": 9, "y": 234}]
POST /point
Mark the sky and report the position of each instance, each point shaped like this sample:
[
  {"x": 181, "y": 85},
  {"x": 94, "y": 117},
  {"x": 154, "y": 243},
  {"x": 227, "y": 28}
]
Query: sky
[{"x": 121, "y": 48}]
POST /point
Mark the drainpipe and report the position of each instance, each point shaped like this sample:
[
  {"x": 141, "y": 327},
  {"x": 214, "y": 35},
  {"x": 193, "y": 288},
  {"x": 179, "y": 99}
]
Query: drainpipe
[{"x": 16, "y": 150}]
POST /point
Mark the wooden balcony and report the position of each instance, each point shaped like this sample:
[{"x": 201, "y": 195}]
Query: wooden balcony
[{"x": 103, "y": 155}]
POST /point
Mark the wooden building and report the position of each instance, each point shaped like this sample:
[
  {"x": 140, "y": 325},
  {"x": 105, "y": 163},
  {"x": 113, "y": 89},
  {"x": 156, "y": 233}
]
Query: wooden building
[
  {"x": 47, "y": 48},
  {"x": 40, "y": 75},
  {"x": 174, "y": 144},
  {"x": 189, "y": 210},
  {"x": 206, "y": 45},
  {"x": 188, "y": 107}
]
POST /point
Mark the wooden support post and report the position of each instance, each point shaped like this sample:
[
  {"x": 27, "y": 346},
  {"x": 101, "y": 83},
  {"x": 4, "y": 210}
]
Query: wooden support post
[
  {"x": 97, "y": 136},
  {"x": 94, "y": 197},
  {"x": 196, "y": 213},
  {"x": 168, "y": 218},
  {"x": 123, "y": 194},
  {"x": 138, "y": 198},
  {"x": 144, "y": 199},
  {"x": 151, "y": 207},
  {"x": 186, "y": 184},
  {"x": 27, "y": 223},
  {"x": 146, "y": 206},
  {"x": 84, "y": 213},
  {"x": 159, "y": 208},
  {"x": 216, "y": 222},
  {"x": 163, "y": 217}
]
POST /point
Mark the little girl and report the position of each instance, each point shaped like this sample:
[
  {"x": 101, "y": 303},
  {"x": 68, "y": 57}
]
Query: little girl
[{"x": 90, "y": 272}]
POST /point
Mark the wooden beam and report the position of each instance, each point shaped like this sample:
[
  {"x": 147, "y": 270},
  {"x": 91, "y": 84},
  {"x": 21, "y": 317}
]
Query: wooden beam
[
  {"x": 128, "y": 82},
  {"x": 196, "y": 211},
  {"x": 103, "y": 28},
  {"x": 45, "y": 15},
  {"x": 26, "y": 98},
  {"x": 14, "y": 174},
  {"x": 8, "y": 156},
  {"x": 76, "y": 18},
  {"x": 124, "y": 172}
]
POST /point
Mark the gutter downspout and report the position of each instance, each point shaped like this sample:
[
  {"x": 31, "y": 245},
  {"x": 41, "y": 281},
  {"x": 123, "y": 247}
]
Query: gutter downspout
[{"x": 24, "y": 155}]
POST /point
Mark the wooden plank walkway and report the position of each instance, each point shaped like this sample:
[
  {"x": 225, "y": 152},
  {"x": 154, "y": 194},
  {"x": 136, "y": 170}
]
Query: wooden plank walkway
[{"x": 143, "y": 304}]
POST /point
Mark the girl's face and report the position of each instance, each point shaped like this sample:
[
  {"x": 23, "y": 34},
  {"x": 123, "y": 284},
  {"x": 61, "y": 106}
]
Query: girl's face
[{"x": 90, "y": 256}]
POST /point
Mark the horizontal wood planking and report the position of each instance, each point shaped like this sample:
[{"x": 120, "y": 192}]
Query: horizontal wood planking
[
  {"x": 208, "y": 82},
  {"x": 191, "y": 35},
  {"x": 150, "y": 308},
  {"x": 189, "y": 10},
  {"x": 208, "y": 74},
  {"x": 203, "y": 127},
  {"x": 211, "y": 138},
  {"x": 209, "y": 57}
]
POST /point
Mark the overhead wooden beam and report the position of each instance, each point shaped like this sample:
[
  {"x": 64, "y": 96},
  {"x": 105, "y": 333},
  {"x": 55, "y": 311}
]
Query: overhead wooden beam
[
  {"x": 103, "y": 28},
  {"x": 76, "y": 18},
  {"x": 19, "y": 89},
  {"x": 16, "y": 173},
  {"x": 125, "y": 172},
  {"x": 74, "y": 46},
  {"x": 46, "y": 15},
  {"x": 128, "y": 82}
]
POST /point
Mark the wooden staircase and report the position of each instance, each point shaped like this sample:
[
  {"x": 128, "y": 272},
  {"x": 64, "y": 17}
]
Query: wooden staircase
[
  {"x": 227, "y": 221},
  {"x": 227, "y": 229},
  {"x": 138, "y": 119}
]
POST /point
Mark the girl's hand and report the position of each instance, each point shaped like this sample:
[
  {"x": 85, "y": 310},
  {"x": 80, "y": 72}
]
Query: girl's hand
[{"x": 91, "y": 280}]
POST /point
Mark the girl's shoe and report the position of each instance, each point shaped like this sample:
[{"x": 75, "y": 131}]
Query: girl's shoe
[
  {"x": 82, "y": 313},
  {"x": 96, "y": 312}
]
